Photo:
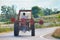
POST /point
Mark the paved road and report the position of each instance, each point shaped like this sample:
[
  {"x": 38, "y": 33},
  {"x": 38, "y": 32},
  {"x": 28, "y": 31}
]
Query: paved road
[{"x": 26, "y": 36}]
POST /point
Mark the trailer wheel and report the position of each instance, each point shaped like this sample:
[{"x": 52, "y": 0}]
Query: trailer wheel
[{"x": 16, "y": 29}]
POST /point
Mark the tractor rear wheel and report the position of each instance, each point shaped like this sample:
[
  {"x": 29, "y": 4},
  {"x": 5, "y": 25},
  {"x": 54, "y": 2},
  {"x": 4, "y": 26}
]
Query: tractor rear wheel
[{"x": 32, "y": 30}]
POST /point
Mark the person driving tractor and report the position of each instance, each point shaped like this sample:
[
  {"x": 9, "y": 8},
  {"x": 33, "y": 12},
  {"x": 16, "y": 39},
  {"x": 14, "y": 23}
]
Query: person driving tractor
[
  {"x": 23, "y": 22},
  {"x": 24, "y": 16}
]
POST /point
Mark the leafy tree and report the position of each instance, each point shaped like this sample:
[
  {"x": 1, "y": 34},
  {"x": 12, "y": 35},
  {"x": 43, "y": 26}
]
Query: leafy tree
[
  {"x": 3, "y": 9},
  {"x": 58, "y": 11},
  {"x": 47, "y": 11},
  {"x": 41, "y": 12},
  {"x": 55, "y": 11},
  {"x": 8, "y": 11},
  {"x": 35, "y": 11}
]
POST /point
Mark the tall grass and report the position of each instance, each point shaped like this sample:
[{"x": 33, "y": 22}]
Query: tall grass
[{"x": 6, "y": 29}]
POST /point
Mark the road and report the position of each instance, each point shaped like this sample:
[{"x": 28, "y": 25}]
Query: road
[{"x": 26, "y": 36}]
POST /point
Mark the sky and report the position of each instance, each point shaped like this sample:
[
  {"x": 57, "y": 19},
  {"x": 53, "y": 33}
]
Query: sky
[{"x": 28, "y": 4}]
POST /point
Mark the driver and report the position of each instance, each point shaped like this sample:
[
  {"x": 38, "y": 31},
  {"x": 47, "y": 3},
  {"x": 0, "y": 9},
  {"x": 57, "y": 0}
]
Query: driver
[
  {"x": 24, "y": 16},
  {"x": 23, "y": 22}
]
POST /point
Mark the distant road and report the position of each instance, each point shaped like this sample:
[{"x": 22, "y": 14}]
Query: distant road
[{"x": 26, "y": 36}]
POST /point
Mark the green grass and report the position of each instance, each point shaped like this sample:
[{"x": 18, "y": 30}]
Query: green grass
[
  {"x": 5, "y": 29},
  {"x": 8, "y": 22}
]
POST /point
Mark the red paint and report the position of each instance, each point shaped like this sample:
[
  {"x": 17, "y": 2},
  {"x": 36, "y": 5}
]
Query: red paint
[
  {"x": 31, "y": 21},
  {"x": 12, "y": 19},
  {"x": 23, "y": 21},
  {"x": 41, "y": 22}
]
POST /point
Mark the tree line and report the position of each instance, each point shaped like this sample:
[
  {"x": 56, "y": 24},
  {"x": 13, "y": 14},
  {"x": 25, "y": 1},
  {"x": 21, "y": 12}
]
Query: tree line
[
  {"x": 7, "y": 12},
  {"x": 37, "y": 11}
]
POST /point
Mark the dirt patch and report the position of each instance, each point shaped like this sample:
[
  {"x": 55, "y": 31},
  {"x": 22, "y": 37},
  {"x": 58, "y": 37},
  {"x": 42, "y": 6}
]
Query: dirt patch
[{"x": 56, "y": 33}]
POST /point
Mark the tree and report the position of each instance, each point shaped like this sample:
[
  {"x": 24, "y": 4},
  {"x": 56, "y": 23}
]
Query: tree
[
  {"x": 55, "y": 11},
  {"x": 47, "y": 11},
  {"x": 41, "y": 12},
  {"x": 35, "y": 11},
  {"x": 3, "y": 9},
  {"x": 8, "y": 11},
  {"x": 14, "y": 11}
]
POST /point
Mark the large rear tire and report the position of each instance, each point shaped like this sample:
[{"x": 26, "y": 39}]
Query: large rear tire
[
  {"x": 16, "y": 28},
  {"x": 32, "y": 30}
]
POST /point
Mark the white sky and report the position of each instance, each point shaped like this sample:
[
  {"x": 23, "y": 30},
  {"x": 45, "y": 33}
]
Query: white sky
[{"x": 28, "y": 4}]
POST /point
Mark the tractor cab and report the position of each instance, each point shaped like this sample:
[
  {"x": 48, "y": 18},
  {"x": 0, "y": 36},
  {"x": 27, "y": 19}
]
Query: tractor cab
[
  {"x": 27, "y": 13},
  {"x": 24, "y": 18}
]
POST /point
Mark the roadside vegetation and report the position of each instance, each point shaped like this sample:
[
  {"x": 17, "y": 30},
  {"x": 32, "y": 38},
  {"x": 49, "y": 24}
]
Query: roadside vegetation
[
  {"x": 49, "y": 21},
  {"x": 6, "y": 30},
  {"x": 6, "y": 27}
]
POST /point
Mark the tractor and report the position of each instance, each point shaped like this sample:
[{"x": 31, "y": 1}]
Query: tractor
[{"x": 20, "y": 23}]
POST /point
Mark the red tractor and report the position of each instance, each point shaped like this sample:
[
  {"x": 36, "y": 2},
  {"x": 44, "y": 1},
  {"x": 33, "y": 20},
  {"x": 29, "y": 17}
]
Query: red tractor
[{"x": 24, "y": 23}]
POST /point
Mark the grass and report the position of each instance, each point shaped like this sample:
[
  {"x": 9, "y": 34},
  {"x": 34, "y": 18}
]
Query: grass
[
  {"x": 5, "y": 29},
  {"x": 43, "y": 26},
  {"x": 8, "y": 22}
]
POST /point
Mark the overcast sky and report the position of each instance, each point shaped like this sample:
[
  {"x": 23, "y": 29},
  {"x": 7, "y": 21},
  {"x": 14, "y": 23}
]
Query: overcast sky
[{"x": 28, "y": 4}]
